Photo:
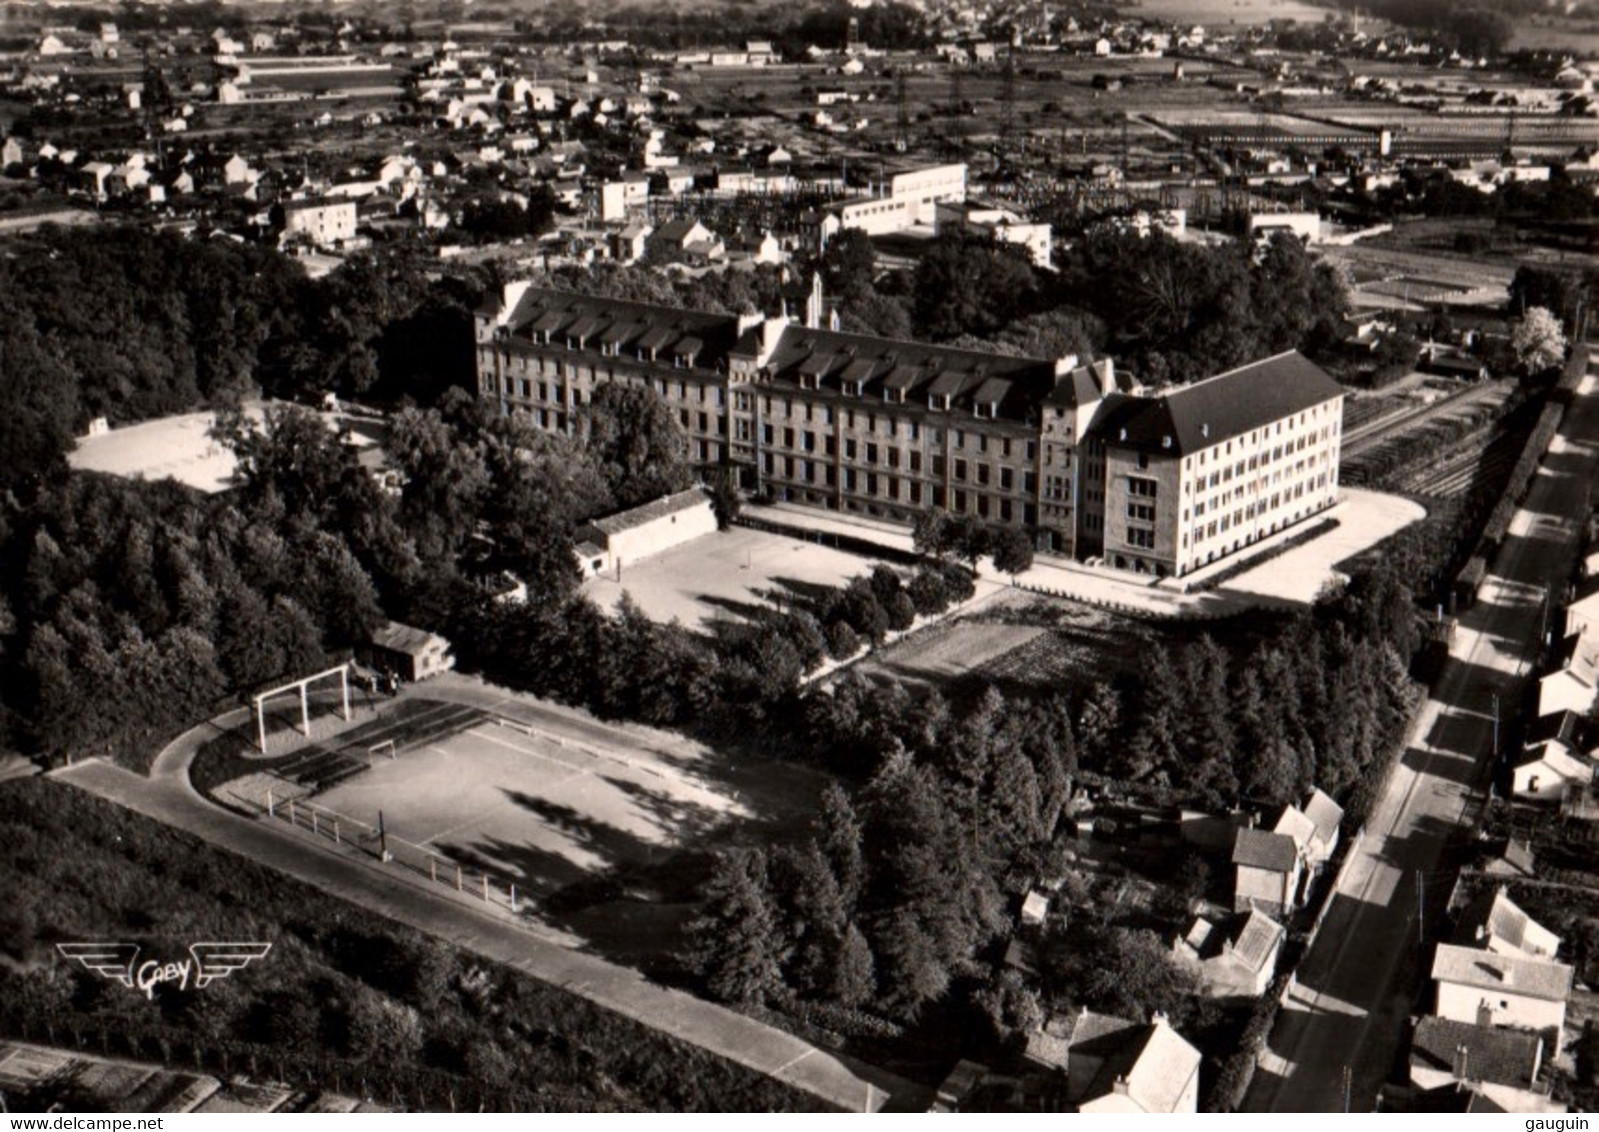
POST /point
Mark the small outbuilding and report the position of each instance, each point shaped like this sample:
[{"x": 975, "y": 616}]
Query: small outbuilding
[
  {"x": 410, "y": 653},
  {"x": 607, "y": 545}
]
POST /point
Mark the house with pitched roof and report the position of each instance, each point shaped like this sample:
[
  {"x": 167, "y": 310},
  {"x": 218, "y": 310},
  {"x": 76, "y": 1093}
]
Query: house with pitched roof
[
  {"x": 1236, "y": 962},
  {"x": 1582, "y": 616},
  {"x": 1574, "y": 682},
  {"x": 1548, "y": 772},
  {"x": 412, "y": 654},
  {"x": 1267, "y": 869},
  {"x": 1114, "y": 1065},
  {"x": 1494, "y": 922},
  {"x": 1314, "y": 828},
  {"x": 1574, "y": 730},
  {"x": 1489, "y": 989},
  {"x": 1502, "y": 1064},
  {"x": 685, "y": 237}
]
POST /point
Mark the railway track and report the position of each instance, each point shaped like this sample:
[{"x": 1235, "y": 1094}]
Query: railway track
[{"x": 1369, "y": 435}]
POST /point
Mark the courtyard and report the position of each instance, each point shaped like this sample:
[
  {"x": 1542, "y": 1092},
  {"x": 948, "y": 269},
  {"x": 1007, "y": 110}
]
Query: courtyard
[{"x": 730, "y": 573}]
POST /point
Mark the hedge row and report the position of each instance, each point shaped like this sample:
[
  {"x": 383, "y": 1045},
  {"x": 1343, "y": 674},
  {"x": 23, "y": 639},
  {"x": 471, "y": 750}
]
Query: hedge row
[
  {"x": 1227, "y": 1091},
  {"x": 1498, "y": 524}
]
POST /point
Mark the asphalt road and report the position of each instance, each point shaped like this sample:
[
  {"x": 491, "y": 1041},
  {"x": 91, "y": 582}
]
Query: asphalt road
[{"x": 1358, "y": 982}]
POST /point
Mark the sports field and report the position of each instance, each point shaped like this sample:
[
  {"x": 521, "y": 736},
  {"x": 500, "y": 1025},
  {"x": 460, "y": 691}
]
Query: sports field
[
  {"x": 181, "y": 448},
  {"x": 528, "y": 808},
  {"x": 604, "y": 832}
]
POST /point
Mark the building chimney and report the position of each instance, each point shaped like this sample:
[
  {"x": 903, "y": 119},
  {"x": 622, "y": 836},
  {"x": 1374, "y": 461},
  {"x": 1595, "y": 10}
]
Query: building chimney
[
  {"x": 1461, "y": 1055},
  {"x": 1120, "y": 1087},
  {"x": 772, "y": 333}
]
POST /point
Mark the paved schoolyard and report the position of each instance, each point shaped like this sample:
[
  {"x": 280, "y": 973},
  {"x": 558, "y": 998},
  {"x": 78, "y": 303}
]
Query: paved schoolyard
[
  {"x": 1364, "y": 517},
  {"x": 725, "y": 575}
]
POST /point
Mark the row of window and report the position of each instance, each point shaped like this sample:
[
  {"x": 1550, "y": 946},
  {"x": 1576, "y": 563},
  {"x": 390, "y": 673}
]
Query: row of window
[{"x": 1239, "y": 516}]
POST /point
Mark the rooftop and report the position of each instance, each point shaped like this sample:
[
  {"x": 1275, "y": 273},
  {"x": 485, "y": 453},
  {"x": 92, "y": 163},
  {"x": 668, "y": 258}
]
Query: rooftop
[
  {"x": 1215, "y": 410},
  {"x": 1485, "y": 970},
  {"x": 1559, "y": 758},
  {"x": 649, "y": 512},
  {"x": 1259, "y": 849},
  {"x": 1152, "y": 1062},
  {"x": 1492, "y": 1054},
  {"x": 1257, "y": 940},
  {"x": 403, "y": 638},
  {"x": 1494, "y": 914},
  {"x": 1325, "y": 813}
]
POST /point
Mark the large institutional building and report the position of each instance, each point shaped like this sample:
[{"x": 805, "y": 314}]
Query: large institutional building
[{"x": 878, "y": 427}]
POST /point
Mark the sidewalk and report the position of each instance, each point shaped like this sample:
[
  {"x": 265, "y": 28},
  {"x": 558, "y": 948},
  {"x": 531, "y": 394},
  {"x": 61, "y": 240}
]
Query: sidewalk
[{"x": 1295, "y": 576}]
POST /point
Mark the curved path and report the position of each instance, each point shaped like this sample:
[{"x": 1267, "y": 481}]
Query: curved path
[{"x": 168, "y": 796}]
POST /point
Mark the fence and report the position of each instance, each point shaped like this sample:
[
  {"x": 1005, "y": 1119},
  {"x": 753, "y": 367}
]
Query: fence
[
  {"x": 853, "y": 544},
  {"x": 415, "y": 862}
]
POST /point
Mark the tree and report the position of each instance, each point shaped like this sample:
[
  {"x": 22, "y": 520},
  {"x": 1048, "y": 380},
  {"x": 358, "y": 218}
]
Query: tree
[
  {"x": 641, "y": 449},
  {"x": 848, "y": 265},
  {"x": 489, "y": 219},
  {"x": 1013, "y": 551},
  {"x": 1130, "y": 973},
  {"x": 1537, "y": 341},
  {"x": 1551, "y": 288},
  {"x": 931, "y": 532},
  {"x": 726, "y": 501},
  {"x": 969, "y": 537},
  {"x": 736, "y": 945},
  {"x": 854, "y": 978},
  {"x": 973, "y": 285}
]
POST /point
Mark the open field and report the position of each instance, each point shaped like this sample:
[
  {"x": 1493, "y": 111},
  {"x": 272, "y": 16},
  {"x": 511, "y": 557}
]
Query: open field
[
  {"x": 181, "y": 448},
  {"x": 1019, "y": 643},
  {"x": 728, "y": 573}
]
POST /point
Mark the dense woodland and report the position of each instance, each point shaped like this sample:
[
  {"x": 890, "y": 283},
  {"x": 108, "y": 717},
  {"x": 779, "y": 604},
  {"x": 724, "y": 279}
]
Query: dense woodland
[{"x": 1170, "y": 311}]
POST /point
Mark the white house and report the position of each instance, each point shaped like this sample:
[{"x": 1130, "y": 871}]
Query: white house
[
  {"x": 1314, "y": 829},
  {"x": 1489, "y": 989},
  {"x": 1547, "y": 770},
  {"x": 998, "y": 224},
  {"x": 1572, "y": 686},
  {"x": 608, "y": 545},
  {"x": 1582, "y": 615},
  {"x": 1114, "y": 1065},
  {"x": 323, "y": 222},
  {"x": 1268, "y": 867},
  {"x": 1494, "y": 922}
]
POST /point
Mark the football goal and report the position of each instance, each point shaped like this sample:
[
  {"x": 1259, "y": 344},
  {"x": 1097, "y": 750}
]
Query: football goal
[{"x": 303, "y": 687}]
